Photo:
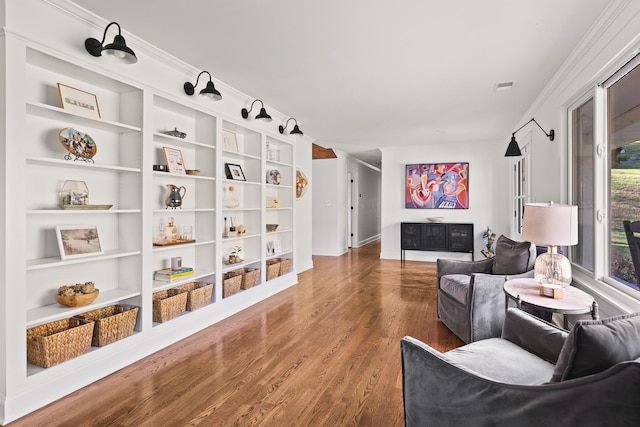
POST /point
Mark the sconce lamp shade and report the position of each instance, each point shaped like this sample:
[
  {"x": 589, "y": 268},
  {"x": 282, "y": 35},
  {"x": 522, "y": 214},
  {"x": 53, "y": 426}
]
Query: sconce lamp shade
[
  {"x": 209, "y": 91},
  {"x": 295, "y": 131},
  {"x": 118, "y": 49},
  {"x": 551, "y": 225},
  {"x": 513, "y": 150},
  {"x": 262, "y": 115}
]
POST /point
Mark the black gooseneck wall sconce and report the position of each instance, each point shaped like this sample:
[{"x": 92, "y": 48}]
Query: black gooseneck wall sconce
[
  {"x": 117, "y": 50},
  {"x": 209, "y": 91},
  {"x": 262, "y": 115},
  {"x": 513, "y": 150},
  {"x": 295, "y": 131}
]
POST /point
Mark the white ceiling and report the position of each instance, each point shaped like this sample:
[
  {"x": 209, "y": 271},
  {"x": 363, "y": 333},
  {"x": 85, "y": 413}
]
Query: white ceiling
[{"x": 364, "y": 74}]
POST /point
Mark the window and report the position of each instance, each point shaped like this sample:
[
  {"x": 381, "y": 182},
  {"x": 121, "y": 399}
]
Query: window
[
  {"x": 606, "y": 177},
  {"x": 623, "y": 144},
  {"x": 582, "y": 254}
]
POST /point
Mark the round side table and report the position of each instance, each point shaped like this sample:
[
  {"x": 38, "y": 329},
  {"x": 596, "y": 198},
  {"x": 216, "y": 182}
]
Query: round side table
[{"x": 526, "y": 292}]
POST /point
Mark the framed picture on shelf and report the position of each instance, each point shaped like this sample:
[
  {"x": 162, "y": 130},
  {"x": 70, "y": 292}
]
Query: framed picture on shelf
[
  {"x": 78, "y": 101},
  {"x": 229, "y": 141},
  {"x": 234, "y": 172},
  {"x": 277, "y": 246},
  {"x": 75, "y": 241},
  {"x": 173, "y": 158}
]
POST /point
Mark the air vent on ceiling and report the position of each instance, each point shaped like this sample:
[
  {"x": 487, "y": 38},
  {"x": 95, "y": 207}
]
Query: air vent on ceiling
[{"x": 502, "y": 86}]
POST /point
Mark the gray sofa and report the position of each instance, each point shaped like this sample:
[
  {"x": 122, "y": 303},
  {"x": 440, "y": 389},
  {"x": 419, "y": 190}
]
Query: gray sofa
[
  {"x": 470, "y": 297},
  {"x": 535, "y": 374}
]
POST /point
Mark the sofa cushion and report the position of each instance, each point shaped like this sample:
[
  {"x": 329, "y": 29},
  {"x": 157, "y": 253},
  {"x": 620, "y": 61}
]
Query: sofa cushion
[
  {"x": 511, "y": 257},
  {"x": 502, "y": 361},
  {"x": 596, "y": 345},
  {"x": 456, "y": 286}
]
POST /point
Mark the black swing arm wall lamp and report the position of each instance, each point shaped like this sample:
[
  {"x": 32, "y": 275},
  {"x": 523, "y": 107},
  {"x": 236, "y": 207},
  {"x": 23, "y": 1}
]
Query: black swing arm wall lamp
[
  {"x": 209, "y": 91},
  {"x": 117, "y": 49},
  {"x": 295, "y": 131},
  {"x": 262, "y": 115},
  {"x": 513, "y": 150}
]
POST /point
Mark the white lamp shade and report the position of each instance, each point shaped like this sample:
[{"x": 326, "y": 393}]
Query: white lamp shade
[{"x": 550, "y": 224}]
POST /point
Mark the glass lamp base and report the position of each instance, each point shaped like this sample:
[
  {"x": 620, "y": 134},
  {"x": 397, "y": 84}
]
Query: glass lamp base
[{"x": 552, "y": 268}]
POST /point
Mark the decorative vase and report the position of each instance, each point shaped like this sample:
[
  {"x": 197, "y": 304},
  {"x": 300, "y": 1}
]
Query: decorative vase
[{"x": 229, "y": 200}]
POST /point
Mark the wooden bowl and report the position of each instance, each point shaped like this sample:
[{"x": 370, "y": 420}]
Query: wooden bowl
[
  {"x": 193, "y": 171},
  {"x": 77, "y": 300},
  {"x": 272, "y": 227}
]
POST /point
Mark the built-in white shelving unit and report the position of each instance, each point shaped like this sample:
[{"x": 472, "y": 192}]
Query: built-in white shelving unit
[{"x": 130, "y": 138}]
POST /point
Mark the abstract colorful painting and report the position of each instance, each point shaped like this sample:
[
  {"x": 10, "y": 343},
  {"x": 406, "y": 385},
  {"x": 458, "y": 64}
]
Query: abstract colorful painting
[{"x": 437, "y": 186}]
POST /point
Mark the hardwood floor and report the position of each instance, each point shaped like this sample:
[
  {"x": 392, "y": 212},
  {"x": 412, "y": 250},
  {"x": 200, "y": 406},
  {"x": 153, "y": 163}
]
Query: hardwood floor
[{"x": 323, "y": 353}]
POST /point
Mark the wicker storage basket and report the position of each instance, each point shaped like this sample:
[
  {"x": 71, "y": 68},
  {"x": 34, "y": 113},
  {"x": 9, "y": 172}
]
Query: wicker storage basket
[
  {"x": 55, "y": 342},
  {"x": 250, "y": 277},
  {"x": 273, "y": 268},
  {"x": 112, "y": 323},
  {"x": 198, "y": 294},
  {"x": 285, "y": 266},
  {"x": 231, "y": 283},
  {"x": 168, "y": 304}
]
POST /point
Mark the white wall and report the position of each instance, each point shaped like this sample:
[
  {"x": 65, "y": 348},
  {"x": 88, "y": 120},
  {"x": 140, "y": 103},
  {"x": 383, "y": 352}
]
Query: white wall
[
  {"x": 304, "y": 210},
  {"x": 331, "y": 204},
  {"x": 489, "y": 196},
  {"x": 366, "y": 202}
]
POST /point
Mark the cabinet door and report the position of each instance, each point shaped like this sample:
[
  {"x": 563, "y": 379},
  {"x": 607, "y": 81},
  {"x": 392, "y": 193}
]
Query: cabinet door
[
  {"x": 435, "y": 237},
  {"x": 411, "y": 236},
  {"x": 461, "y": 237}
]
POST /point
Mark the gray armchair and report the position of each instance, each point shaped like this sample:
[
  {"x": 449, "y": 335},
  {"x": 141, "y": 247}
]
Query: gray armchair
[
  {"x": 534, "y": 375},
  {"x": 470, "y": 297}
]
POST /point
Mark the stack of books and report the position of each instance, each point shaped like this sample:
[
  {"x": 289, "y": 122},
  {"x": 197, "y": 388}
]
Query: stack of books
[{"x": 169, "y": 275}]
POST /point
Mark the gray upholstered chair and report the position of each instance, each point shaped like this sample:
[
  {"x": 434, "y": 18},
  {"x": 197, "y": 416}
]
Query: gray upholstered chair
[
  {"x": 470, "y": 297},
  {"x": 535, "y": 374}
]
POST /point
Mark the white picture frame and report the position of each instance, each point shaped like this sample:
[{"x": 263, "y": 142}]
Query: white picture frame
[
  {"x": 78, "y": 241},
  {"x": 78, "y": 101},
  {"x": 229, "y": 141},
  {"x": 277, "y": 246},
  {"x": 174, "y": 160}
]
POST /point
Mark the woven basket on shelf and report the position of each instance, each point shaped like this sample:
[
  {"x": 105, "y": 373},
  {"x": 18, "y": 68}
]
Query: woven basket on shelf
[
  {"x": 168, "y": 304},
  {"x": 285, "y": 266},
  {"x": 55, "y": 342},
  {"x": 231, "y": 283},
  {"x": 112, "y": 323},
  {"x": 198, "y": 294},
  {"x": 273, "y": 268},
  {"x": 250, "y": 277}
]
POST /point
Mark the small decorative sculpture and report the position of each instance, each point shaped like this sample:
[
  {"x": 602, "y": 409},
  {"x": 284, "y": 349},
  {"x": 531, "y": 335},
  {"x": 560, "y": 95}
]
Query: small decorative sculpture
[
  {"x": 488, "y": 238},
  {"x": 175, "y": 195}
]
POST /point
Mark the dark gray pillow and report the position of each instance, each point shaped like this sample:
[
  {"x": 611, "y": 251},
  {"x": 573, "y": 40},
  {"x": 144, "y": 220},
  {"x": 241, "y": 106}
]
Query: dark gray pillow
[
  {"x": 511, "y": 257},
  {"x": 596, "y": 345}
]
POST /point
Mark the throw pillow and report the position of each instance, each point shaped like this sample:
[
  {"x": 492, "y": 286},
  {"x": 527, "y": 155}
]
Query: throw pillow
[
  {"x": 596, "y": 345},
  {"x": 511, "y": 257}
]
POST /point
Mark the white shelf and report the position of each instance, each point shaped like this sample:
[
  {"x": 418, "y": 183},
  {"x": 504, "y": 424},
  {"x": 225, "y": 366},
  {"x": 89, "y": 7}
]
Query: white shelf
[
  {"x": 48, "y": 161},
  {"x": 184, "y": 142},
  {"x": 36, "y": 264},
  {"x": 173, "y": 211},
  {"x": 52, "y": 312},
  {"x": 50, "y": 111},
  {"x": 195, "y": 277},
  {"x": 229, "y": 267},
  {"x": 183, "y": 176},
  {"x": 55, "y": 211},
  {"x": 240, "y": 155}
]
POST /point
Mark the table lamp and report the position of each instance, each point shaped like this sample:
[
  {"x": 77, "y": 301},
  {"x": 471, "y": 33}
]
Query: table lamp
[{"x": 551, "y": 225}]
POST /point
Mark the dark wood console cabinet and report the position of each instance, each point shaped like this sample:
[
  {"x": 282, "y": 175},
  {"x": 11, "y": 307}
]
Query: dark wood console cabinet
[{"x": 436, "y": 236}]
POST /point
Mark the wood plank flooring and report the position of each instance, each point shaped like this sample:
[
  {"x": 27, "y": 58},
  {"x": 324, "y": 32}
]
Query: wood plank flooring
[{"x": 323, "y": 353}]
